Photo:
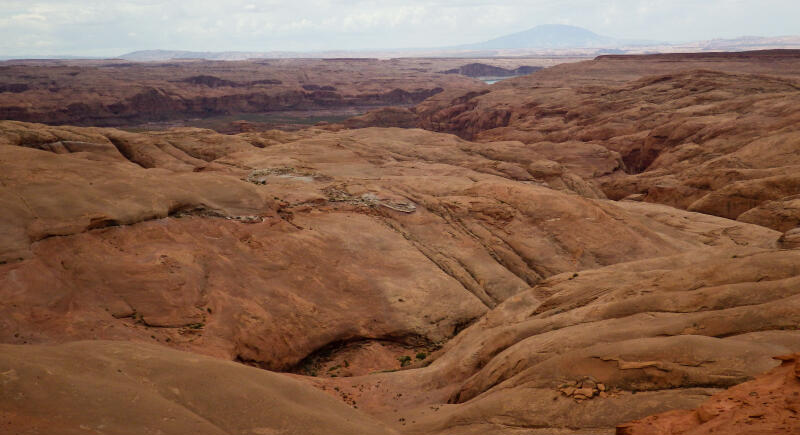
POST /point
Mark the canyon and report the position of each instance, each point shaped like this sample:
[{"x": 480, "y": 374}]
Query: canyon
[
  {"x": 118, "y": 93},
  {"x": 601, "y": 246}
]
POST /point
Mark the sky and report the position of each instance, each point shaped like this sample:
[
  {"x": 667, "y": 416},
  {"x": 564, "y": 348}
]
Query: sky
[{"x": 114, "y": 27}]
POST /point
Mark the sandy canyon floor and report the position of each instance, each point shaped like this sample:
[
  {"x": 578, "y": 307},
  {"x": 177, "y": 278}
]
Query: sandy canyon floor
[{"x": 610, "y": 245}]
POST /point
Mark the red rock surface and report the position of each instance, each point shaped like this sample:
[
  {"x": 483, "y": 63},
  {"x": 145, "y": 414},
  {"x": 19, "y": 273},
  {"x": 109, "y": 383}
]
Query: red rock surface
[
  {"x": 298, "y": 252},
  {"x": 658, "y": 335},
  {"x": 126, "y": 388},
  {"x": 439, "y": 285},
  {"x": 770, "y": 404},
  {"x": 712, "y": 133}
]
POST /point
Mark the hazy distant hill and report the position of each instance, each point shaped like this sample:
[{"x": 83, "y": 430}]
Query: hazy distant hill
[
  {"x": 750, "y": 43},
  {"x": 547, "y": 36},
  {"x": 154, "y": 55},
  {"x": 547, "y": 39},
  {"x": 161, "y": 55},
  {"x": 48, "y": 57}
]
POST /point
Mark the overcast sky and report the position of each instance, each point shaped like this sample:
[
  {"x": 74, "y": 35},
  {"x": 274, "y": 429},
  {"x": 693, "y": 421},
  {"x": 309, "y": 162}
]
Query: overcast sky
[{"x": 113, "y": 27}]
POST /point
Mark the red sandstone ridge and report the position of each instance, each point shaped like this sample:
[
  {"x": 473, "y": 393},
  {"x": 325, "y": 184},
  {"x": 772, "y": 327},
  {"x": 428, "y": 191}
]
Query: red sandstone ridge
[{"x": 770, "y": 404}]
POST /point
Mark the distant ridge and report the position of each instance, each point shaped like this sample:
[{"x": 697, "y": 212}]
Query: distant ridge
[
  {"x": 161, "y": 55},
  {"x": 546, "y": 36},
  {"x": 156, "y": 55},
  {"x": 546, "y": 39}
]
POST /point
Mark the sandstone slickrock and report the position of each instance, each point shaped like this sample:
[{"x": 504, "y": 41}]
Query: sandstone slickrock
[
  {"x": 139, "y": 249},
  {"x": 658, "y": 334},
  {"x": 767, "y": 405},
  {"x": 782, "y": 214},
  {"x": 713, "y": 133},
  {"x": 229, "y": 288},
  {"x": 790, "y": 239},
  {"x": 127, "y": 388},
  {"x": 554, "y": 274}
]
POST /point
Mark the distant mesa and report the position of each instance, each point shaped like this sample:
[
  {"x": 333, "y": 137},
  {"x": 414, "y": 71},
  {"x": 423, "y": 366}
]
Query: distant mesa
[
  {"x": 15, "y": 88},
  {"x": 209, "y": 81},
  {"x": 318, "y": 88},
  {"x": 266, "y": 82},
  {"x": 483, "y": 70},
  {"x": 216, "y": 82}
]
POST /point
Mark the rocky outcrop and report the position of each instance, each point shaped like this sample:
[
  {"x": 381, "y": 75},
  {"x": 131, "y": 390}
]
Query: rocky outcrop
[
  {"x": 790, "y": 239},
  {"x": 782, "y": 214},
  {"x": 768, "y": 404}
]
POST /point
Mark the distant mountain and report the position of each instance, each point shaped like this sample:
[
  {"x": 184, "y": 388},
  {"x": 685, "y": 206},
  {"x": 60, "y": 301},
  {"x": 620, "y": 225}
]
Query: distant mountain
[
  {"x": 546, "y": 36},
  {"x": 554, "y": 36}
]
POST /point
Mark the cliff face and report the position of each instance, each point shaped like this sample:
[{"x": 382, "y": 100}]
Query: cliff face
[{"x": 156, "y": 104}]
